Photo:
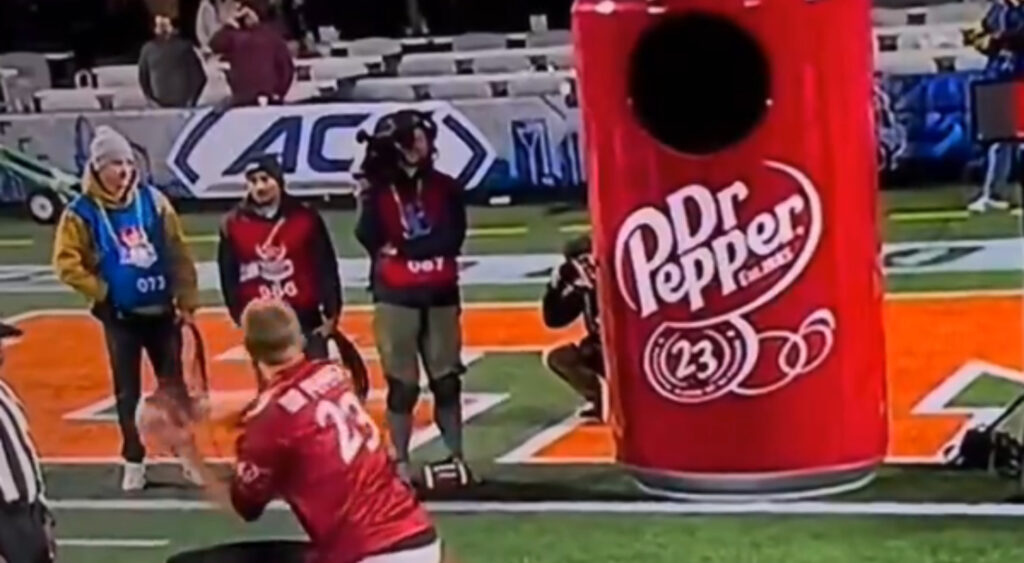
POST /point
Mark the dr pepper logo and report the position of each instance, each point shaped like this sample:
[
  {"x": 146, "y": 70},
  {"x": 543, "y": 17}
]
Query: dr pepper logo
[{"x": 714, "y": 255}]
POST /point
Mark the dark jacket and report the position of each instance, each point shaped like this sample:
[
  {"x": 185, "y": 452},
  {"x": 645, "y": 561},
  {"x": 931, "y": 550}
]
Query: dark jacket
[
  {"x": 317, "y": 250},
  {"x": 564, "y": 302},
  {"x": 260, "y": 62},
  {"x": 445, "y": 207},
  {"x": 170, "y": 72},
  {"x": 1003, "y": 44}
]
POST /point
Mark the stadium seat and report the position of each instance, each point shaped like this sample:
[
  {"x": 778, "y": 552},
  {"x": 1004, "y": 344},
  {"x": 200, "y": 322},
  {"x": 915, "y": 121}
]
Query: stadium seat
[
  {"x": 561, "y": 61},
  {"x": 501, "y": 63},
  {"x": 971, "y": 60},
  {"x": 381, "y": 91},
  {"x": 460, "y": 90},
  {"x": 909, "y": 42},
  {"x": 540, "y": 84},
  {"x": 426, "y": 66},
  {"x": 114, "y": 76},
  {"x": 888, "y": 17},
  {"x": 551, "y": 38},
  {"x": 478, "y": 41},
  {"x": 216, "y": 92},
  {"x": 374, "y": 46},
  {"x": 903, "y": 62},
  {"x": 302, "y": 91},
  {"x": 131, "y": 97},
  {"x": 328, "y": 34},
  {"x": 32, "y": 73},
  {"x": 956, "y": 13},
  {"x": 70, "y": 99},
  {"x": 334, "y": 68}
]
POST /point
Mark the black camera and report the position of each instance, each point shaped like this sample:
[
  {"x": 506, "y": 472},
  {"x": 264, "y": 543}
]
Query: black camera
[{"x": 381, "y": 162}]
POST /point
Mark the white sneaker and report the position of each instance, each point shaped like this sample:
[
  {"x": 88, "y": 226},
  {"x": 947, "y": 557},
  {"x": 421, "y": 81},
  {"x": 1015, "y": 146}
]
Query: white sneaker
[
  {"x": 979, "y": 205},
  {"x": 191, "y": 474},
  {"x": 134, "y": 477},
  {"x": 998, "y": 204}
]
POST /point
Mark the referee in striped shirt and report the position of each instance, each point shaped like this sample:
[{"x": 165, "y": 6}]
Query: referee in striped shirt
[{"x": 25, "y": 523}]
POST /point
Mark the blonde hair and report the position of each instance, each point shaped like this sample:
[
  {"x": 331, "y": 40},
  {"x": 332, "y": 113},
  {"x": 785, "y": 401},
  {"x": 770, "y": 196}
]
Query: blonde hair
[{"x": 271, "y": 331}]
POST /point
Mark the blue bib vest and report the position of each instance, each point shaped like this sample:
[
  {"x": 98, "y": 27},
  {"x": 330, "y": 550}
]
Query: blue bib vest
[{"x": 131, "y": 250}]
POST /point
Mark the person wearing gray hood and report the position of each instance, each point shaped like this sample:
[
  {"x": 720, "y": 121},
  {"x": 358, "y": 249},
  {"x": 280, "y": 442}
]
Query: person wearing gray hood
[{"x": 170, "y": 72}]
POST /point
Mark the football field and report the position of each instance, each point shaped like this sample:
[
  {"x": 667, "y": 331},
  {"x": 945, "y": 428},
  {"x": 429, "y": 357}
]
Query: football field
[{"x": 955, "y": 347}]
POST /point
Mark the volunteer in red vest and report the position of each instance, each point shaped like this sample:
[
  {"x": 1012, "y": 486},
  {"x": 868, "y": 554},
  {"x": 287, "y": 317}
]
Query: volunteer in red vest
[
  {"x": 412, "y": 221},
  {"x": 273, "y": 246}
]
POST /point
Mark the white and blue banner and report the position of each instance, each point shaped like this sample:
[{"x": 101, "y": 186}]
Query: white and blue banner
[{"x": 316, "y": 145}]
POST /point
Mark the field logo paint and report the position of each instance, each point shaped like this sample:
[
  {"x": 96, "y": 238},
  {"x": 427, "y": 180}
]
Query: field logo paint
[{"x": 716, "y": 258}]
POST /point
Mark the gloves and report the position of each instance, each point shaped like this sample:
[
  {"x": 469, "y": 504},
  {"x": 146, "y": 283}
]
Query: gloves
[{"x": 104, "y": 311}]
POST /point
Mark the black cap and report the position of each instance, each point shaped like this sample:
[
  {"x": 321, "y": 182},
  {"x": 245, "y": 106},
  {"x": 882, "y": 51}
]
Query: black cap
[
  {"x": 268, "y": 164},
  {"x": 400, "y": 125},
  {"x": 577, "y": 247},
  {"x": 9, "y": 331}
]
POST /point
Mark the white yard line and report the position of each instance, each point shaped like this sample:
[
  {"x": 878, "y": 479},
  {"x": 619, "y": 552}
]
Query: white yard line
[{"x": 640, "y": 507}]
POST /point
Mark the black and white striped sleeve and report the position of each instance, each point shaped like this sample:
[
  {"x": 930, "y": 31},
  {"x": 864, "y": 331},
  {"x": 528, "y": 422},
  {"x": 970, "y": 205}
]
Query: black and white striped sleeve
[{"x": 21, "y": 478}]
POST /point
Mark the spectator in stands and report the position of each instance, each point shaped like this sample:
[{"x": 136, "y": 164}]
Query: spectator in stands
[
  {"x": 209, "y": 20},
  {"x": 261, "y": 65},
  {"x": 170, "y": 72},
  {"x": 1001, "y": 39}
]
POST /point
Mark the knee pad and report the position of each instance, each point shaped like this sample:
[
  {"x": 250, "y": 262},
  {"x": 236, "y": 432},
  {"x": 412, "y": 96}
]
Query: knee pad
[
  {"x": 447, "y": 390},
  {"x": 402, "y": 396}
]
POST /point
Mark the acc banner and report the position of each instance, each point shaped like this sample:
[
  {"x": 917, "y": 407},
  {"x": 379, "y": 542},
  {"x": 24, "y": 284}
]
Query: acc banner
[{"x": 316, "y": 144}]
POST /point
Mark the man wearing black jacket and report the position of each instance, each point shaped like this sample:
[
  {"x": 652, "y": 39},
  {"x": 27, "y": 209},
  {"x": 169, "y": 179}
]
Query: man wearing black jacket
[
  {"x": 573, "y": 293},
  {"x": 273, "y": 246},
  {"x": 412, "y": 221}
]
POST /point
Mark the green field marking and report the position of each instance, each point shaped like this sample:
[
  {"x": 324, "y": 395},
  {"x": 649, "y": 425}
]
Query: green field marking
[
  {"x": 928, "y": 216},
  {"x": 575, "y": 229},
  {"x": 988, "y": 391},
  {"x": 202, "y": 238},
  {"x": 512, "y": 231},
  {"x": 16, "y": 242}
]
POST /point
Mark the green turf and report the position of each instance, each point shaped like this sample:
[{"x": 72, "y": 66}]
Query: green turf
[
  {"x": 536, "y": 400},
  {"x": 603, "y": 538},
  {"x": 543, "y": 228}
]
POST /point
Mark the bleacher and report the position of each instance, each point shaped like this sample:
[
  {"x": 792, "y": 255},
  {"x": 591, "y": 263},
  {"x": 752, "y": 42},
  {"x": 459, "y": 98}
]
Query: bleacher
[{"x": 477, "y": 65}]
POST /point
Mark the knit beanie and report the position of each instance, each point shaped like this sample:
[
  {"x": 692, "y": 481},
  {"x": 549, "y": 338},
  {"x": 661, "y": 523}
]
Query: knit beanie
[
  {"x": 107, "y": 146},
  {"x": 269, "y": 165}
]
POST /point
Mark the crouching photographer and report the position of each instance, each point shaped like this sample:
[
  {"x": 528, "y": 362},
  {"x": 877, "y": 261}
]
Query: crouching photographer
[{"x": 572, "y": 293}]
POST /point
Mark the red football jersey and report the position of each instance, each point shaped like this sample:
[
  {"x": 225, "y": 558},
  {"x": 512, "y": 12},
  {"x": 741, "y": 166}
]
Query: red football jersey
[{"x": 309, "y": 441}]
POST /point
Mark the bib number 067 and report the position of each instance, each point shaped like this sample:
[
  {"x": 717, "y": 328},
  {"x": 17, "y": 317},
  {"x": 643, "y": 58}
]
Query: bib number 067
[{"x": 426, "y": 266}]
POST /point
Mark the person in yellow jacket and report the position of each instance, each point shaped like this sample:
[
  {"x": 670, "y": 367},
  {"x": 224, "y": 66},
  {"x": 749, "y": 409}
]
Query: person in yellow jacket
[{"x": 120, "y": 244}]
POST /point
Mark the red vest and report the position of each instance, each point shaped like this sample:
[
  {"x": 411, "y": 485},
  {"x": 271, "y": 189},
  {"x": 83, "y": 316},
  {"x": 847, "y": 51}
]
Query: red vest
[
  {"x": 275, "y": 258},
  {"x": 397, "y": 272}
]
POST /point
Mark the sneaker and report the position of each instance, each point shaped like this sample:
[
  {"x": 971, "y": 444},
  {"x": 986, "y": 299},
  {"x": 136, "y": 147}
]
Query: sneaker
[
  {"x": 979, "y": 205},
  {"x": 998, "y": 204},
  {"x": 192, "y": 474},
  {"x": 134, "y": 477},
  {"x": 591, "y": 411}
]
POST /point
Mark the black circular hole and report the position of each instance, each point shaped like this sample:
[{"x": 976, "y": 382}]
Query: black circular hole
[{"x": 699, "y": 83}]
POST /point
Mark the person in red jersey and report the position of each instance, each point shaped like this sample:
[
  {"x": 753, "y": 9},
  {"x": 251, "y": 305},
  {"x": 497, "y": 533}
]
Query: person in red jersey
[
  {"x": 272, "y": 245},
  {"x": 308, "y": 440}
]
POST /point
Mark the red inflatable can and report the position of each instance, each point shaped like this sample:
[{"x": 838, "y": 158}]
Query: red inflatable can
[{"x": 732, "y": 169}]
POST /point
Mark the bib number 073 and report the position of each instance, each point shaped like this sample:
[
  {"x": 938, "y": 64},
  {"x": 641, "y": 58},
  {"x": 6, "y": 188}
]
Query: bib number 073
[
  {"x": 148, "y": 284},
  {"x": 356, "y": 430}
]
